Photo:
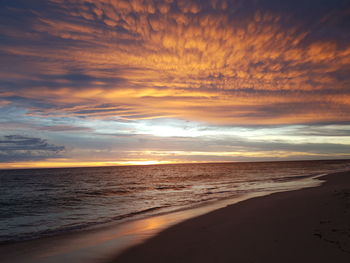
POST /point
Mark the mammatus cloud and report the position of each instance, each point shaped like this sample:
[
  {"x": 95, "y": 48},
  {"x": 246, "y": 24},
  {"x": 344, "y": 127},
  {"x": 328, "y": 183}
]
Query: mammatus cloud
[
  {"x": 241, "y": 62},
  {"x": 122, "y": 81},
  {"x": 17, "y": 148}
]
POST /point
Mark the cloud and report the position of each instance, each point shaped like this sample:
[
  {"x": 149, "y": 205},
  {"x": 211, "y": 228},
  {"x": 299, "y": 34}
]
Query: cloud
[
  {"x": 186, "y": 79},
  {"x": 15, "y": 148},
  {"x": 60, "y": 128},
  {"x": 176, "y": 149},
  {"x": 241, "y": 56}
]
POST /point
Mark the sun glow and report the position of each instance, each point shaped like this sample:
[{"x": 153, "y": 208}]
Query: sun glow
[
  {"x": 145, "y": 162},
  {"x": 72, "y": 163}
]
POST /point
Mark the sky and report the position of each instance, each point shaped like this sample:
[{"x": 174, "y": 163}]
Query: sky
[{"x": 117, "y": 82}]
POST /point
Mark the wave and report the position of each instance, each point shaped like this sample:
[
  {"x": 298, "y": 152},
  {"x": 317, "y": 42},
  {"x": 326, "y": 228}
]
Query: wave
[{"x": 63, "y": 200}]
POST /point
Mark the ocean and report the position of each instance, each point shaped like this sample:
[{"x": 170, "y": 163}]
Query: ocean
[{"x": 44, "y": 202}]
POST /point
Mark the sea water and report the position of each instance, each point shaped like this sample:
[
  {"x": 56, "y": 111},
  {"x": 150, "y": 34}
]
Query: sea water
[{"x": 43, "y": 202}]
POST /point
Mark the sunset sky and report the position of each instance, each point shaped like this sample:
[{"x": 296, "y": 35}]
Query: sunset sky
[{"x": 109, "y": 82}]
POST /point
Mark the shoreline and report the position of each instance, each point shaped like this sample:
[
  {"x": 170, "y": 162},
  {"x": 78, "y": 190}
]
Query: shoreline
[
  {"x": 102, "y": 243},
  {"x": 299, "y": 182},
  {"x": 306, "y": 225},
  {"x": 306, "y": 180}
]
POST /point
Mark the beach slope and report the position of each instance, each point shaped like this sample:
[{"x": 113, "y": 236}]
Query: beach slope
[{"x": 308, "y": 225}]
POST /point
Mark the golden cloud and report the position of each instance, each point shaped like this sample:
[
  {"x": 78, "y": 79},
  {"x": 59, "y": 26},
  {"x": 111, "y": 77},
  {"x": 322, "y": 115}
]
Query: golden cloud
[{"x": 182, "y": 58}]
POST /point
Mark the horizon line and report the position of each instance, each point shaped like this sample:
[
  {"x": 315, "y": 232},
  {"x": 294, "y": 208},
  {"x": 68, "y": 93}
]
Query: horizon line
[{"x": 171, "y": 163}]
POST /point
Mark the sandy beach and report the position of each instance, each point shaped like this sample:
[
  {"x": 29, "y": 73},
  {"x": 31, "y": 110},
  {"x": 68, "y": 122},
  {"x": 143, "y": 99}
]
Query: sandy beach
[{"x": 308, "y": 225}]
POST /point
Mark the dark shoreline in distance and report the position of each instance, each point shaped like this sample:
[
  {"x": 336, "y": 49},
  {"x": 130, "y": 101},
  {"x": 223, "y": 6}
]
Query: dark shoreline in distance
[{"x": 307, "y": 225}]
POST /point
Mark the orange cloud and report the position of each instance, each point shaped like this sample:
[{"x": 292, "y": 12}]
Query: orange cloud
[{"x": 178, "y": 59}]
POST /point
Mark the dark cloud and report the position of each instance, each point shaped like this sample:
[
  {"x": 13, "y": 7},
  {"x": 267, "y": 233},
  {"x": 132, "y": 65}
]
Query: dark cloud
[
  {"x": 29, "y": 103},
  {"x": 73, "y": 80},
  {"x": 61, "y": 128},
  {"x": 14, "y": 148}
]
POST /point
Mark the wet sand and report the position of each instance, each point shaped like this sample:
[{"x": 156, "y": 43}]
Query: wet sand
[{"x": 308, "y": 225}]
